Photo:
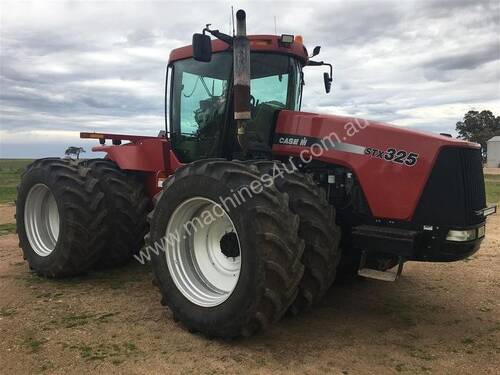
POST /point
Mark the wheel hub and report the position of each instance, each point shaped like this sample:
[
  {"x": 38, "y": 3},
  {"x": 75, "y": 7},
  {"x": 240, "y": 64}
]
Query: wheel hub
[{"x": 229, "y": 245}]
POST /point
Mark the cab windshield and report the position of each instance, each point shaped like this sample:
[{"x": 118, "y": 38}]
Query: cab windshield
[{"x": 199, "y": 100}]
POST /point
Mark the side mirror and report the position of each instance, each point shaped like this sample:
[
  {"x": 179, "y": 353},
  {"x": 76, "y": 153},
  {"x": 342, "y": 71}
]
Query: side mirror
[
  {"x": 202, "y": 48},
  {"x": 328, "y": 82},
  {"x": 316, "y": 51}
]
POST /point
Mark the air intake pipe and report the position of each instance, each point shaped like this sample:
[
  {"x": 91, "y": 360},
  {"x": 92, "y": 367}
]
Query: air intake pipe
[{"x": 241, "y": 67}]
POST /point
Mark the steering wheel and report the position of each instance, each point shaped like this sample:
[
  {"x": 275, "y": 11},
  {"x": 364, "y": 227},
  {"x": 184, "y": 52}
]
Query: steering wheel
[{"x": 253, "y": 104}]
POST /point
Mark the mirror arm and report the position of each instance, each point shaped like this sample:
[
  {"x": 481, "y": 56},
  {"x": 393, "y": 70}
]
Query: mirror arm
[
  {"x": 320, "y": 63},
  {"x": 327, "y": 77},
  {"x": 315, "y": 63},
  {"x": 331, "y": 69},
  {"x": 221, "y": 36}
]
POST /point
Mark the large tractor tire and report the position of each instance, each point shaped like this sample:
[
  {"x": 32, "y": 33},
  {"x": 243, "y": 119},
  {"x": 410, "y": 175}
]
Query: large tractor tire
[
  {"x": 317, "y": 228},
  {"x": 240, "y": 268},
  {"x": 60, "y": 216},
  {"x": 127, "y": 204}
]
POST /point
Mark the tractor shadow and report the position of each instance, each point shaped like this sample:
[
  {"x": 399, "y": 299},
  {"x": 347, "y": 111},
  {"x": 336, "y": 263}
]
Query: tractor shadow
[{"x": 410, "y": 315}]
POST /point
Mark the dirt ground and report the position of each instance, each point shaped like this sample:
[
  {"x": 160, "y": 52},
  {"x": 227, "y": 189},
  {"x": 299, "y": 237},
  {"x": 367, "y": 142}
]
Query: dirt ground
[
  {"x": 7, "y": 211},
  {"x": 491, "y": 170},
  {"x": 437, "y": 318}
]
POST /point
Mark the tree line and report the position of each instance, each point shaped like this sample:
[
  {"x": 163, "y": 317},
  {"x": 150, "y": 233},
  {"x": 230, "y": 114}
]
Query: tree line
[{"x": 479, "y": 127}]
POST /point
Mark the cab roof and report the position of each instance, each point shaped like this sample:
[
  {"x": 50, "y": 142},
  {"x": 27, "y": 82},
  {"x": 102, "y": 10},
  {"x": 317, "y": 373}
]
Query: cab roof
[{"x": 258, "y": 43}]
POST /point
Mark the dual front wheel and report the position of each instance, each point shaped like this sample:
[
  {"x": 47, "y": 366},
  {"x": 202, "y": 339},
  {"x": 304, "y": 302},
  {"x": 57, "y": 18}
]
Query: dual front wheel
[{"x": 238, "y": 251}]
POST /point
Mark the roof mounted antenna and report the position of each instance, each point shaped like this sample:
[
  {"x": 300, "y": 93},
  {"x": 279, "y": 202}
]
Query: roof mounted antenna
[{"x": 232, "y": 18}]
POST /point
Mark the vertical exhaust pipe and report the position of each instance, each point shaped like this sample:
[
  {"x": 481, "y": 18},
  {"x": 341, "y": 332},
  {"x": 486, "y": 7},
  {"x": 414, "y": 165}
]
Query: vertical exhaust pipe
[{"x": 241, "y": 67}]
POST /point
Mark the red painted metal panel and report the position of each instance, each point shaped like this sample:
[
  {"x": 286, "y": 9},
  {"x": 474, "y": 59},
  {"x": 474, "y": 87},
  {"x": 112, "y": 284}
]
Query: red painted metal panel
[
  {"x": 146, "y": 155},
  {"x": 150, "y": 155},
  {"x": 392, "y": 190},
  {"x": 258, "y": 43}
]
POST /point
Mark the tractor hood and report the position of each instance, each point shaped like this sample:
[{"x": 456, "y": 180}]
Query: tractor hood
[
  {"x": 352, "y": 130},
  {"x": 385, "y": 158}
]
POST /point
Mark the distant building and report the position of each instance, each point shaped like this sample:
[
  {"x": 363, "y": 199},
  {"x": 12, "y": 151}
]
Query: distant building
[{"x": 493, "y": 153}]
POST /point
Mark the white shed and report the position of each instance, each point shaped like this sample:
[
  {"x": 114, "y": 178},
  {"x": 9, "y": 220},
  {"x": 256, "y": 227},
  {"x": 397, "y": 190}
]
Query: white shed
[{"x": 493, "y": 155}]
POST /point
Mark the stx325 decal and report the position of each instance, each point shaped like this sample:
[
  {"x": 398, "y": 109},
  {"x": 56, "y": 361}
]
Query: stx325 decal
[{"x": 393, "y": 155}]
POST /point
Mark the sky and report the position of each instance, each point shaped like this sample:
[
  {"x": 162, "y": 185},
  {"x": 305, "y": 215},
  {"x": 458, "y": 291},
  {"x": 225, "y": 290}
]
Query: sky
[{"x": 71, "y": 66}]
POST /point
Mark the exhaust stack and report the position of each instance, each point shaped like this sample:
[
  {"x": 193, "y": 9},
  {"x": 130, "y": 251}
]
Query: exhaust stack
[{"x": 241, "y": 55}]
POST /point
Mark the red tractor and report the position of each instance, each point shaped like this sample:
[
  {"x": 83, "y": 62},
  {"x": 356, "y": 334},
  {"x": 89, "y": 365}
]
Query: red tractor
[{"x": 246, "y": 207}]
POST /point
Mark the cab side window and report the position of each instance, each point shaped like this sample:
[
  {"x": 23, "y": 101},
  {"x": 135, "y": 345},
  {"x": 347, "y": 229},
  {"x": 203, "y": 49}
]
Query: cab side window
[{"x": 199, "y": 101}]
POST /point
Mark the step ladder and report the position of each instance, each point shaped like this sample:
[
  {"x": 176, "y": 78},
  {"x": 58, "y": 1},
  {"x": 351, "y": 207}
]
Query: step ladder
[{"x": 388, "y": 275}]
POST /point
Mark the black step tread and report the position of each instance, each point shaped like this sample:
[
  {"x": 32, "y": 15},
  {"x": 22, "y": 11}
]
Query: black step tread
[{"x": 378, "y": 231}]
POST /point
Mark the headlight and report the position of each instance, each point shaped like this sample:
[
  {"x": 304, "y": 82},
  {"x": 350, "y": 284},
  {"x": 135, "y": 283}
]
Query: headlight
[{"x": 461, "y": 235}]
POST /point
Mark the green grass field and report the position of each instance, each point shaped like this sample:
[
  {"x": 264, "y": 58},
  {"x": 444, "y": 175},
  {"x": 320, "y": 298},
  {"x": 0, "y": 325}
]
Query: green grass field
[
  {"x": 10, "y": 172},
  {"x": 492, "y": 188}
]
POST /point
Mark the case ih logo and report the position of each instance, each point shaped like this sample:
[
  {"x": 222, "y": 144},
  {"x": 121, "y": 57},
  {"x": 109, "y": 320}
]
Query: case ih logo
[{"x": 293, "y": 141}]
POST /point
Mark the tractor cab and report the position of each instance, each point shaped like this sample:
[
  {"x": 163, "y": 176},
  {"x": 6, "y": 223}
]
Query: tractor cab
[
  {"x": 200, "y": 95},
  {"x": 200, "y": 101}
]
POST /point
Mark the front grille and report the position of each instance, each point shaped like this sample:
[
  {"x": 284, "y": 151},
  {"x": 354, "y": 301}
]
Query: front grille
[
  {"x": 454, "y": 190},
  {"x": 472, "y": 168}
]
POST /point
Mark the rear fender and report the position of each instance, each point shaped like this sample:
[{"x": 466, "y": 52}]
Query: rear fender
[{"x": 152, "y": 156}]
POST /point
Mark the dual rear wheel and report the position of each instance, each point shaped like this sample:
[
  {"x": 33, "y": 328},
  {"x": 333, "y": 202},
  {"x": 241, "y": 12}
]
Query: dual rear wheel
[
  {"x": 61, "y": 218},
  {"x": 75, "y": 215}
]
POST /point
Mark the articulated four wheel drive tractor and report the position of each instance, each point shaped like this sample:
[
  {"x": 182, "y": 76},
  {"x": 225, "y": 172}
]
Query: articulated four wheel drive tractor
[{"x": 246, "y": 207}]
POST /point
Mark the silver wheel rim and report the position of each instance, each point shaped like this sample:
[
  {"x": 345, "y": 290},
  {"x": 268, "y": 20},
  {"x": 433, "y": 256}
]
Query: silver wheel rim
[
  {"x": 41, "y": 220},
  {"x": 205, "y": 261}
]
